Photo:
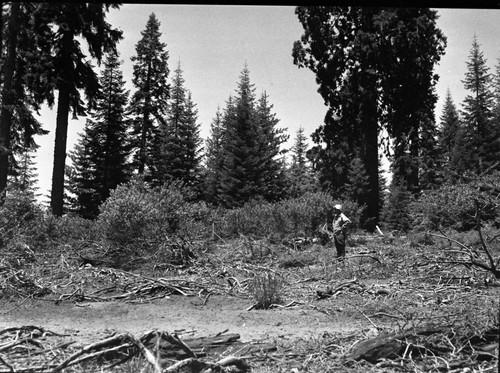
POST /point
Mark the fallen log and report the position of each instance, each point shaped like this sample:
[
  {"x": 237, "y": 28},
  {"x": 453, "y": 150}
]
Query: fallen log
[
  {"x": 372, "y": 350},
  {"x": 387, "y": 347}
]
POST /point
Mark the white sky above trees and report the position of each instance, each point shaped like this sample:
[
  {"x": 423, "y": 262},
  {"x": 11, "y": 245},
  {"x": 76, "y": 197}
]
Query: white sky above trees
[{"x": 214, "y": 42}]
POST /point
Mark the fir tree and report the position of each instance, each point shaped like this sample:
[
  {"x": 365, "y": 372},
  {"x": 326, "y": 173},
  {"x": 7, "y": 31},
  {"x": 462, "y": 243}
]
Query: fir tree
[
  {"x": 215, "y": 157},
  {"x": 193, "y": 150},
  {"x": 239, "y": 171},
  {"x": 251, "y": 167},
  {"x": 150, "y": 100},
  {"x": 430, "y": 173},
  {"x": 271, "y": 182},
  {"x": 65, "y": 68},
  {"x": 496, "y": 110},
  {"x": 25, "y": 177},
  {"x": 18, "y": 126},
  {"x": 111, "y": 127},
  {"x": 496, "y": 93},
  {"x": 179, "y": 155},
  {"x": 300, "y": 175},
  {"x": 82, "y": 181},
  {"x": 395, "y": 214},
  {"x": 100, "y": 159},
  {"x": 479, "y": 136},
  {"x": 357, "y": 182},
  {"x": 447, "y": 133}
]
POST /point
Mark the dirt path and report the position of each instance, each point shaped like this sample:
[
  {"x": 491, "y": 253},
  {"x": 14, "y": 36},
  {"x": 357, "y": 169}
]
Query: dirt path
[{"x": 89, "y": 321}]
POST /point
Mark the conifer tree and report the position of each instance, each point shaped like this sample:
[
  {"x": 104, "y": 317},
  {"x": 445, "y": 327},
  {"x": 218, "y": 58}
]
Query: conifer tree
[
  {"x": 271, "y": 183},
  {"x": 251, "y": 167},
  {"x": 357, "y": 182},
  {"x": 7, "y": 98},
  {"x": 193, "y": 150},
  {"x": 430, "y": 172},
  {"x": 214, "y": 158},
  {"x": 374, "y": 70},
  {"x": 150, "y": 100},
  {"x": 65, "y": 68},
  {"x": 239, "y": 170},
  {"x": 479, "y": 136},
  {"x": 25, "y": 177},
  {"x": 168, "y": 145},
  {"x": 496, "y": 107},
  {"x": 395, "y": 214},
  {"x": 447, "y": 133},
  {"x": 496, "y": 94},
  {"x": 300, "y": 175},
  {"x": 179, "y": 144},
  {"x": 100, "y": 158},
  {"x": 112, "y": 128},
  {"x": 18, "y": 126},
  {"x": 82, "y": 182}
]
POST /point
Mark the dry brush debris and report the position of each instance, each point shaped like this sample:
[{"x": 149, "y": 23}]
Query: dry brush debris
[{"x": 34, "y": 349}]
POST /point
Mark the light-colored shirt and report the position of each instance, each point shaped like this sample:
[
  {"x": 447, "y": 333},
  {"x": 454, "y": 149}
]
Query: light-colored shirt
[{"x": 339, "y": 222}]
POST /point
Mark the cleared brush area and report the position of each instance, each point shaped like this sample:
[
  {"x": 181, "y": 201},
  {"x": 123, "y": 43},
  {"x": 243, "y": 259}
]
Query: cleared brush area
[{"x": 409, "y": 306}]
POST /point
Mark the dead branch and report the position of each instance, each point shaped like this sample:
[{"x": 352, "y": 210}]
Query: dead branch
[
  {"x": 32, "y": 341},
  {"x": 195, "y": 365},
  {"x": 483, "y": 243},
  {"x": 94, "y": 346},
  {"x": 473, "y": 256},
  {"x": 11, "y": 368}
]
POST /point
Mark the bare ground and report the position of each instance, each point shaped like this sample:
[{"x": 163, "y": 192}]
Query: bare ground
[{"x": 89, "y": 321}]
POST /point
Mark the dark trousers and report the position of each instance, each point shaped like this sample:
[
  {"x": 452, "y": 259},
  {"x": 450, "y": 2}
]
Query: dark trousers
[{"x": 339, "y": 240}]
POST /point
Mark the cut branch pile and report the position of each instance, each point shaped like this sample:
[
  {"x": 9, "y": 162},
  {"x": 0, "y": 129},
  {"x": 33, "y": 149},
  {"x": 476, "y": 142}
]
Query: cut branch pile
[
  {"x": 34, "y": 349},
  {"x": 435, "y": 350}
]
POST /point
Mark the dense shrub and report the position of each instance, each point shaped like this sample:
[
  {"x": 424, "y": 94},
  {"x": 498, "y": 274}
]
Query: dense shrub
[
  {"x": 141, "y": 220},
  {"x": 302, "y": 216},
  {"x": 135, "y": 212},
  {"x": 453, "y": 206},
  {"x": 18, "y": 216}
]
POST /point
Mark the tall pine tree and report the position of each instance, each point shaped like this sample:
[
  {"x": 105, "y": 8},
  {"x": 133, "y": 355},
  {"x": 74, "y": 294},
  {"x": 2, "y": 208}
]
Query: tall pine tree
[
  {"x": 448, "y": 129},
  {"x": 496, "y": 93},
  {"x": 300, "y": 174},
  {"x": 18, "y": 126},
  {"x": 179, "y": 144},
  {"x": 271, "y": 183},
  {"x": 374, "y": 67},
  {"x": 65, "y": 68},
  {"x": 251, "y": 168},
  {"x": 478, "y": 139},
  {"x": 150, "y": 100},
  {"x": 240, "y": 164},
  {"x": 25, "y": 177},
  {"x": 82, "y": 184},
  {"x": 101, "y": 158},
  {"x": 214, "y": 158},
  {"x": 193, "y": 150}
]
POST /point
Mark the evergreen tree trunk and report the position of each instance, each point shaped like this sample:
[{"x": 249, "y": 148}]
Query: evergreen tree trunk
[
  {"x": 57, "y": 193},
  {"x": 145, "y": 124},
  {"x": 63, "y": 103},
  {"x": 8, "y": 98},
  {"x": 413, "y": 182},
  {"x": 371, "y": 162}
]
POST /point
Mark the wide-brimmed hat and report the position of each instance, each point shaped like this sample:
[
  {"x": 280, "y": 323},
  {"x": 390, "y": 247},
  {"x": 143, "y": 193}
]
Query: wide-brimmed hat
[{"x": 338, "y": 207}]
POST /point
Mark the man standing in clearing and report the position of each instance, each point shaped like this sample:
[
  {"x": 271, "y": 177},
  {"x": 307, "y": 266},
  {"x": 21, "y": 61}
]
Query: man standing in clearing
[{"x": 339, "y": 224}]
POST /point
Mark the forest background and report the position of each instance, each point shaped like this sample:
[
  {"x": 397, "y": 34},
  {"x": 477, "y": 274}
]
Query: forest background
[{"x": 419, "y": 148}]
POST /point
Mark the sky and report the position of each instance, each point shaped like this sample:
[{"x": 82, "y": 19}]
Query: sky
[{"x": 213, "y": 43}]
